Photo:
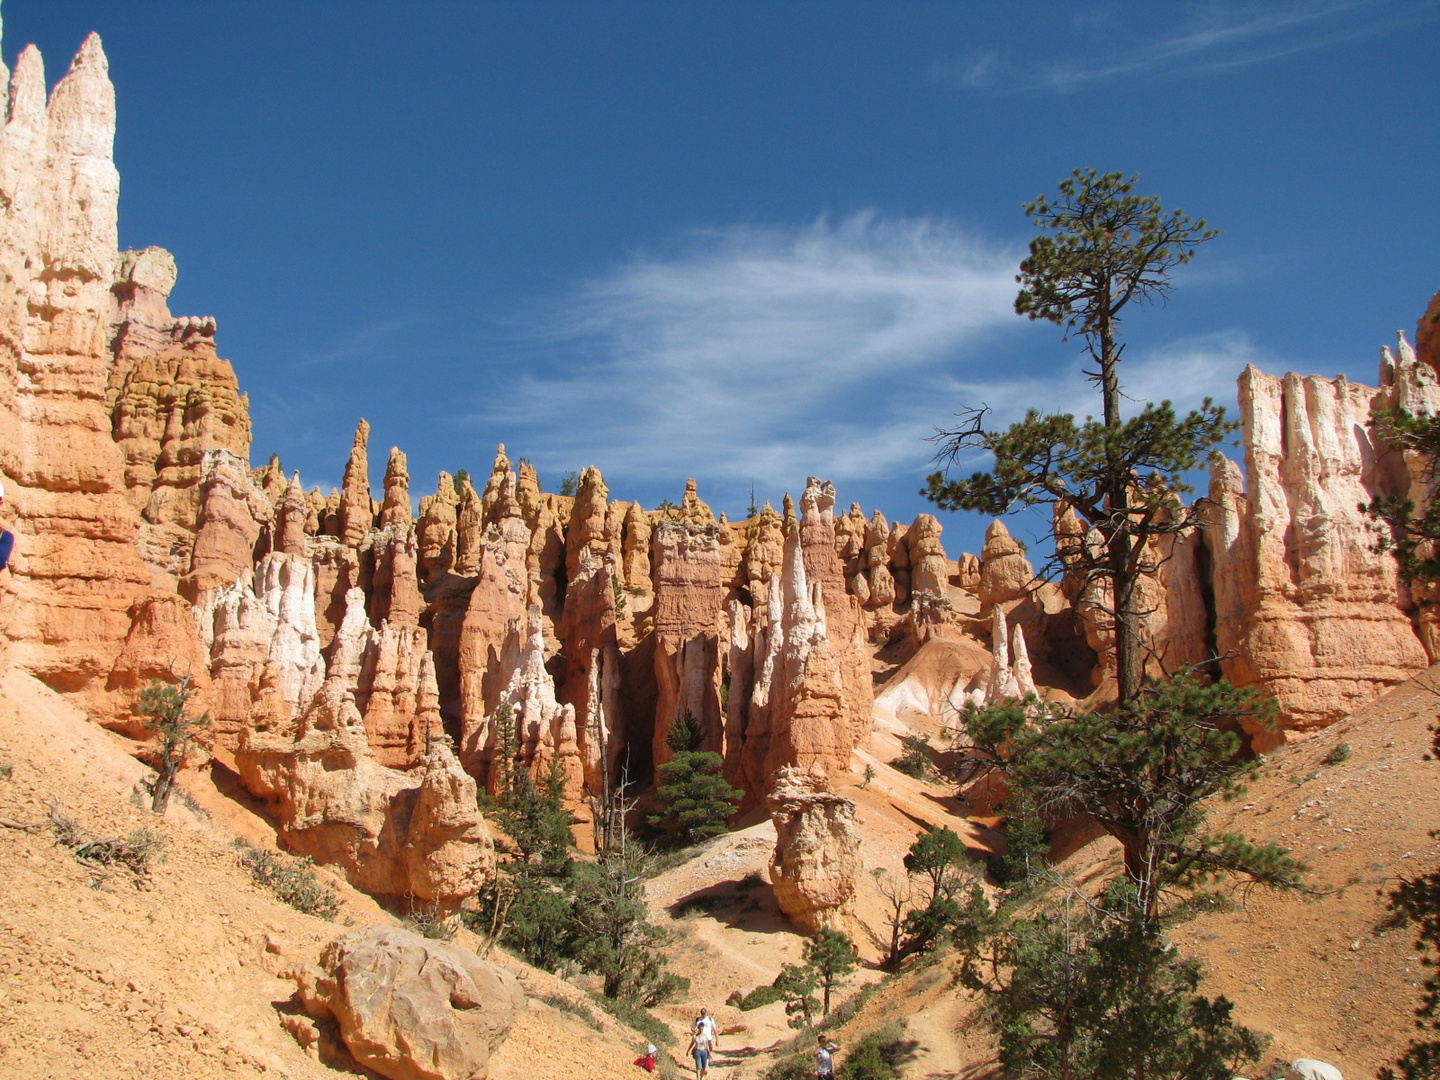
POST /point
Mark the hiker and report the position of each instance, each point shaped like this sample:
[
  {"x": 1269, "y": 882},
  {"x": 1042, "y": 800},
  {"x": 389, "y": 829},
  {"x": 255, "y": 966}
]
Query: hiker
[
  {"x": 705, "y": 1022},
  {"x": 646, "y": 1060},
  {"x": 702, "y": 1041},
  {"x": 824, "y": 1062},
  {"x": 7, "y": 538}
]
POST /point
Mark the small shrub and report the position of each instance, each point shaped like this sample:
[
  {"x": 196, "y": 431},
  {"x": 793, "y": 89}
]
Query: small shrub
[
  {"x": 6, "y": 770},
  {"x": 752, "y": 880},
  {"x": 868, "y": 1061},
  {"x": 698, "y": 905},
  {"x": 291, "y": 880},
  {"x": 915, "y": 760},
  {"x": 188, "y": 801},
  {"x": 427, "y": 921},
  {"x": 67, "y": 831},
  {"x": 637, "y": 1017},
  {"x": 139, "y": 852},
  {"x": 574, "y": 1008},
  {"x": 801, "y": 1067},
  {"x": 1340, "y": 753},
  {"x": 760, "y": 997}
]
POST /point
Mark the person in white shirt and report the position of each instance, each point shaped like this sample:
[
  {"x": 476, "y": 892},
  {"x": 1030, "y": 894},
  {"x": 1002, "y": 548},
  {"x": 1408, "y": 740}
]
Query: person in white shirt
[
  {"x": 702, "y": 1042},
  {"x": 706, "y": 1022},
  {"x": 824, "y": 1062}
]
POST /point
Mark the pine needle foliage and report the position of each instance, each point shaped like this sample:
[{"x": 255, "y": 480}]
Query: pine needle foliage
[
  {"x": 832, "y": 956},
  {"x": 1026, "y": 845},
  {"x": 695, "y": 800},
  {"x": 1410, "y": 534},
  {"x": 1092, "y": 992},
  {"x": 1100, "y": 248},
  {"x": 796, "y": 983},
  {"x": 1143, "y": 772},
  {"x": 1418, "y": 899}
]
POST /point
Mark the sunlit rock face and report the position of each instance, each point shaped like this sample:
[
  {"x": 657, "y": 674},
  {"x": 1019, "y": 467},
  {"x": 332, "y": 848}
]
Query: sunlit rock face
[
  {"x": 106, "y": 401},
  {"x": 366, "y": 661},
  {"x": 1304, "y": 603},
  {"x": 817, "y": 850}
]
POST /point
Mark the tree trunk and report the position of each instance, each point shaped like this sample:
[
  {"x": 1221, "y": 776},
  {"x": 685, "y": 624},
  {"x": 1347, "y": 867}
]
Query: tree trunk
[
  {"x": 161, "y": 796},
  {"x": 1129, "y": 655},
  {"x": 1129, "y": 652},
  {"x": 1140, "y": 864},
  {"x": 1109, "y": 380}
]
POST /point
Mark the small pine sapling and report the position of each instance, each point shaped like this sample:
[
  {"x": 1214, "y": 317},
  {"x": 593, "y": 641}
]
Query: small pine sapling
[
  {"x": 831, "y": 955},
  {"x": 796, "y": 984},
  {"x": 164, "y": 707}
]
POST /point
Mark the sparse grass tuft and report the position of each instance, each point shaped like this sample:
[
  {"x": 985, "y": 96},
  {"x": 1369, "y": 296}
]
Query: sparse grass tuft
[
  {"x": 574, "y": 1008},
  {"x": 291, "y": 880}
]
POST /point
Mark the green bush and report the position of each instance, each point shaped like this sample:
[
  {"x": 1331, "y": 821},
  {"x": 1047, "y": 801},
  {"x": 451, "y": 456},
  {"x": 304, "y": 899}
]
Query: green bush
[
  {"x": 291, "y": 880},
  {"x": 1340, "y": 753},
  {"x": 915, "y": 759},
  {"x": 868, "y": 1061},
  {"x": 800, "y": 1067},
  {"x": 637, "y": 1017},
  {"x": 695, "y": 800},
  {"x": 760, "y": 997},
  {"x": 1026, "y": 846}
]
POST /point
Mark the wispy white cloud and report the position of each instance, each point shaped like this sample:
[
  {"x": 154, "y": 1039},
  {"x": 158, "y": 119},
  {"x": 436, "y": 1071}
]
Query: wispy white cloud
[
  {"x": 769, "y": 354},
  {"x": 1211, "y": 37},
  {"x": 763, "y": 353}
]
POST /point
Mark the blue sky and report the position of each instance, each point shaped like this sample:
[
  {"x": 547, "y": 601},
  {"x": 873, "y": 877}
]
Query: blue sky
[{"x": 745, "y": 242}]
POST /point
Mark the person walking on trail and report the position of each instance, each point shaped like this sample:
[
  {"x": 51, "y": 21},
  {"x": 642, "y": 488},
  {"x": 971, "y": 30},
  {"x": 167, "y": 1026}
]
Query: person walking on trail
[
  {"x": 702, "y": 1041},
  {"x": 824, "y": 1061},
  {"x": 707, "y": 1022}
]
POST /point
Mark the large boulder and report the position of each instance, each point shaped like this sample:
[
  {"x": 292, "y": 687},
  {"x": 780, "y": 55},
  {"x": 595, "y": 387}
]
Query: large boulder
[{"x": 411, "y": 1008}]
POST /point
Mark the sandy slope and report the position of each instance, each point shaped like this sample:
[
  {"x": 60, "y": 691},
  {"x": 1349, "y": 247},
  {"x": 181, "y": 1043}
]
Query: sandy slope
[
  {"x": 1328, "y": 976},
  {"x": 183, "y": 977},
  {"x": 180, "y": 978}
]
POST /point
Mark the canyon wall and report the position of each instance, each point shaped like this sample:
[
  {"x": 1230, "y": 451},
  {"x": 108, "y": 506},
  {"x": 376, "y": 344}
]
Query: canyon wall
[{"x": 369, "y": 666}]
